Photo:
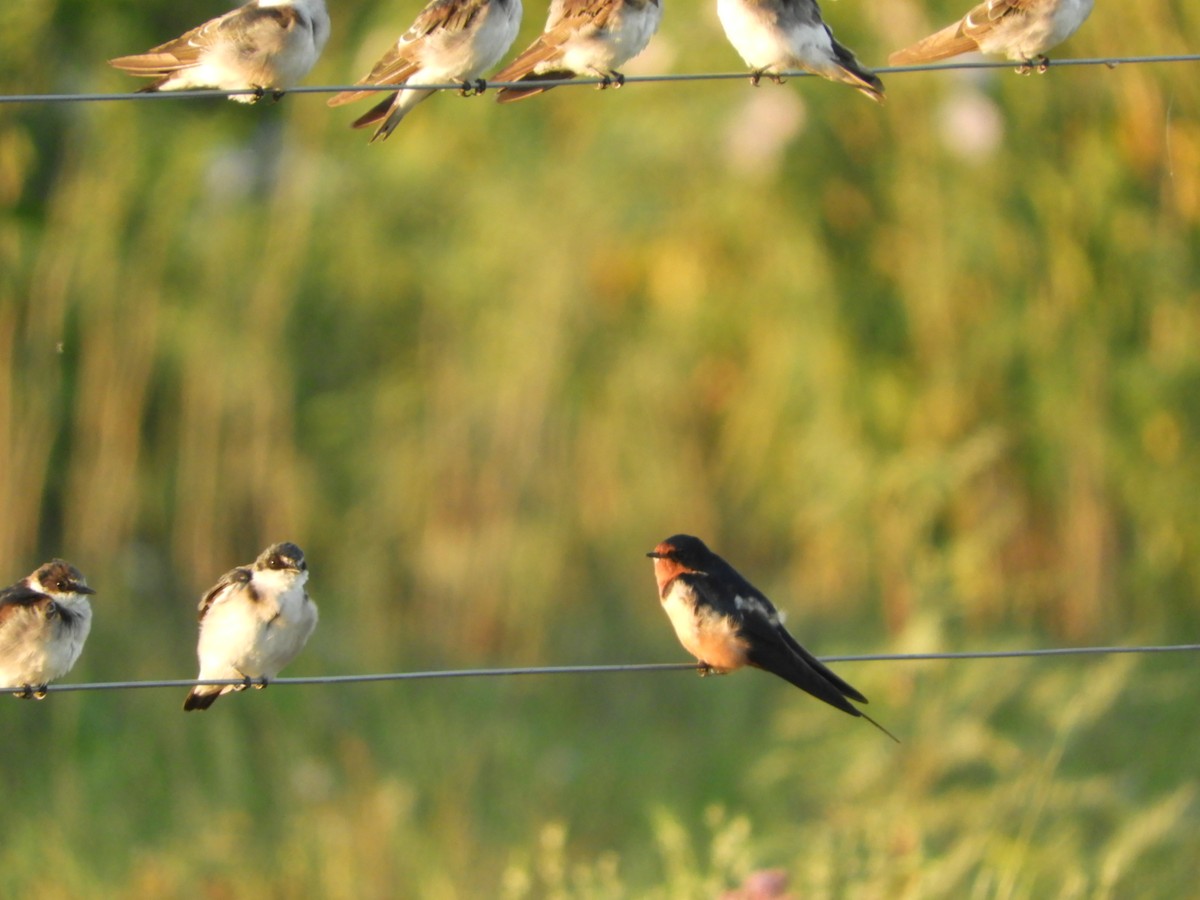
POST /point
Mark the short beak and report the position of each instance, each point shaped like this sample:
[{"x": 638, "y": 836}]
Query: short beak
[
  {"x": 654, "y": 554},
  {"x": 84, "y": 589}
]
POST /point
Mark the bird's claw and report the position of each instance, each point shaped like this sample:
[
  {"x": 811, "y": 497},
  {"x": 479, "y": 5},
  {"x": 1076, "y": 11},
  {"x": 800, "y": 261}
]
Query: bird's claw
[
  {"x": 757, "y": 77},
  {"x": 703, "y": 669},
  {"x": 612, "y": 80},
  {"x": 472, "y": 88},
  {"x": 277, "y": 95},
  {"x": 31, "y": 692},
  {"x": 261, "y": 683},
  {"x": 1039, "y": 63},
  {"x": 259, "y": 92}
]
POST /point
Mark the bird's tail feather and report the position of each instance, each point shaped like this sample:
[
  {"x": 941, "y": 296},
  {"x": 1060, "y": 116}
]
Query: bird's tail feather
[
  {"x": 511, "y": 94},
  {"x": 850, "y": 71},
  {"x": 201, "y": 698},
  {"x": 948, "y": 42}
]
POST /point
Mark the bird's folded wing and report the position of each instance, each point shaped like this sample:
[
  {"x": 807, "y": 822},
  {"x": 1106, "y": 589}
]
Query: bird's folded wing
[
  {"x": 963, "y": 36},
  {"x": 231, "y": 583},
  {"x": 396, "y": 67}
]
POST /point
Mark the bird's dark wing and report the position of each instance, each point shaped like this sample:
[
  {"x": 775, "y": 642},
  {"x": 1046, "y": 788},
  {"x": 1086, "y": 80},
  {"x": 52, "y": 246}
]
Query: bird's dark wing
[{"x": 232, "y": 581}]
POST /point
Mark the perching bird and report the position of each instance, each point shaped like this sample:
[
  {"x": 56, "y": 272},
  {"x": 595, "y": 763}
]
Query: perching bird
[
  {"x": 773, "y": 36},
  {"x": 727, "y": 623},
  {"x": 253, "y": 623},
  {"x": 44, "y": 620},
  {"x": 451, "y": 41},
  {"x": 582, "y": 37},
  {"x": 1022, "y": 30},
  {"x": 266, "y": 45}
]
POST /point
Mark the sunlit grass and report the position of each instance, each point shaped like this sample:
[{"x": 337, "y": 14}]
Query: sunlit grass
[{"x": 926, "y": 373}]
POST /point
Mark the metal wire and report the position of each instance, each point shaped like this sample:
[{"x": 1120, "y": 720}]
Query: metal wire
[
  {"x": 1110, "y": 62},
  {"x": 619, "y": 668}
]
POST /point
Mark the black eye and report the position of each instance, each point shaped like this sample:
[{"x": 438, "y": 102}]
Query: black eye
[{"x": 64, "y": 585}]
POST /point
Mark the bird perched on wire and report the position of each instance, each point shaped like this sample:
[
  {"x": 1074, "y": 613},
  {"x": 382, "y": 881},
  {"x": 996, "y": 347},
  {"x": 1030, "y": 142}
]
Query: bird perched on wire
[
  {"x": 1022, "y": 30},
  {"x": 44, "y": 620},
  {"x": 253, "y": 623},
  {"x": 727, "y": 623},
  {"x": 451, "y": 41},
  {"x": 773, "y": 36},
  {"x": 266, "y": 45},
  {"x": 582, "y": 37}
]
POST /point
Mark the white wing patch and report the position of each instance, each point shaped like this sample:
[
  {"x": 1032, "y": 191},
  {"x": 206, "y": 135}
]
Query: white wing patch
[{"x": 757, "y": 607}]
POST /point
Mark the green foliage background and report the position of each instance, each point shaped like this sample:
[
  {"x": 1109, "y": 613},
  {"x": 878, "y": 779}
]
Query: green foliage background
[{"x": 928, "y": 373}]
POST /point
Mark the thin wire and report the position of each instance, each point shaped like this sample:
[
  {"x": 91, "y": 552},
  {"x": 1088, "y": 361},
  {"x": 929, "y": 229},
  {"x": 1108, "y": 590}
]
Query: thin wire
[
  {"x": 601, "y": 670},
  {"x": 1110, "y": 62}
]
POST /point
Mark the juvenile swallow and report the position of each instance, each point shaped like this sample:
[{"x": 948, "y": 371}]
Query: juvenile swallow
[
  {"x": 582, "y": 37},
  {"x": 451, "y": 41},
  {"x": 776, "y": 35},
  {"x": 1022, "y": 30},
  {"x": 253, "y": 623},
  {"x": 44, "y": 620},
  {"x": 266, "y": 45},
  {"x": 727, "y": 623}
]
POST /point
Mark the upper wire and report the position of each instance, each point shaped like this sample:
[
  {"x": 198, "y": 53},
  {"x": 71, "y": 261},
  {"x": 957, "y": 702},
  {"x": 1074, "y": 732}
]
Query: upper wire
[{"x": 1110, "y": 62}]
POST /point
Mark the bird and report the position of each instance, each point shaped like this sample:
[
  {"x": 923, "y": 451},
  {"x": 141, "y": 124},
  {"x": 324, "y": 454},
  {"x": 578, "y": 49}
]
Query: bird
[
  {"x": 777, "y": 35},
  {"x": 44, "y": 620},
  {"x": 582, "y": 37},
  {"x": 253, "y": 622},
  {"x": 451, "y": 41},
  {"x": 727, "y": 624},
  {"x": 265, "y": 45},
  {"x": 1022, "y": 30}
]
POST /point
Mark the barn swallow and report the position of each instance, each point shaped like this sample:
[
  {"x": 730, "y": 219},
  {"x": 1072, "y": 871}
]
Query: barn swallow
[
  {"x": 451, "y": 41},
  {"x": 776, "y": 35},
  {"x": 727, "y": 623},
  {"x": 266, "y": 45},
  {"x": 582, "y": 37},
  {"x": 44, "y": 620},
  {"x": 253, "y": 623},
  {"x": 1022, "y": 30}
]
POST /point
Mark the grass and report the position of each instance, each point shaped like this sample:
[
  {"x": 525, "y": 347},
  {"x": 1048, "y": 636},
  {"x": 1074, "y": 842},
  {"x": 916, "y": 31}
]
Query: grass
[{"x": 927, "y": 391}]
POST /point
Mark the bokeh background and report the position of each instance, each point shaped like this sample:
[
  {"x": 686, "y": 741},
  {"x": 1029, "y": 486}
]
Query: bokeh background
[{"x": 928, "y": 373}]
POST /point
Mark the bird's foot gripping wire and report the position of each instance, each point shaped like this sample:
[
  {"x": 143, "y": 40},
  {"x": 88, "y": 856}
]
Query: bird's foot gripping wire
[
  {"x": 758, "y": 75},
  {"x": 612, "y": 80}
]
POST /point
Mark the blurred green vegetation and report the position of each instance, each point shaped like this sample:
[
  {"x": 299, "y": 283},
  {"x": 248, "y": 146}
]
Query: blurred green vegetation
[{"x": 927, "y": 373}]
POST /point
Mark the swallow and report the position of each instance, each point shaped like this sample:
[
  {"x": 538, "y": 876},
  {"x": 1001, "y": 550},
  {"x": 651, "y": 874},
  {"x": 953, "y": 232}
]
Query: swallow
[
  {"x": 727, "y": 623},
  {"x": 451, "y": 41},
  {"x": 44, "y": 620},
  {"x": 582, "y": 37},
  {"x": 1022, "y": 30},
  {"x": 776, "y": 35},
  {"x": 253, "y": 623},
  {"x": 266, "y": 45}
]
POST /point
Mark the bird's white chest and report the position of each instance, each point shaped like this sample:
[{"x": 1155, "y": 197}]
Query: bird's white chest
[
  {"x": 1025, "y": 36},
  {"x": 605, "y": 50},
  {"x": 706, "y": 634},
  {"x": 465, "y": 55},
  {"x": 35, "y": 649},
  {"x": 763, "y": 43},
  {"x": 241, "y": 636},
  {"x": 263, "y": 55}
]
